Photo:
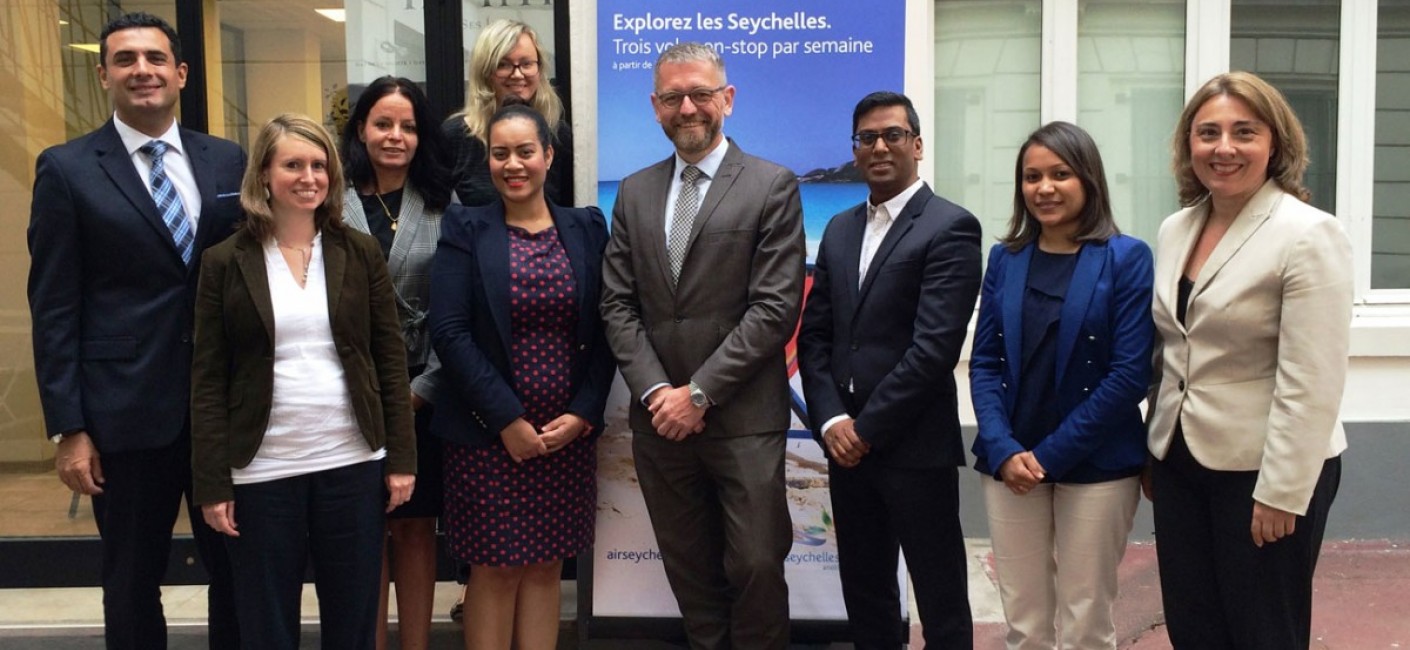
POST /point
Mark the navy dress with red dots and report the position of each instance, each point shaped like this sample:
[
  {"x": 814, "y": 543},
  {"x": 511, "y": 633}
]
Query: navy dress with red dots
[{"x": 504, "y": 513}]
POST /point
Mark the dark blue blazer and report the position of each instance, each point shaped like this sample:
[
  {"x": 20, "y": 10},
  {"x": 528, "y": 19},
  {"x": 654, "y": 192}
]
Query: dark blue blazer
[
  {"x": 469, "y": 318},
  {"x": 111, "y": 300},
  {"x": 1104, "y": 342},
  {"x": 885, "y": 352}
]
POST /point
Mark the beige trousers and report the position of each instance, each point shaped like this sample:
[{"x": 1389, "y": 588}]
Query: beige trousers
[{"x": 1056, "y": 550}]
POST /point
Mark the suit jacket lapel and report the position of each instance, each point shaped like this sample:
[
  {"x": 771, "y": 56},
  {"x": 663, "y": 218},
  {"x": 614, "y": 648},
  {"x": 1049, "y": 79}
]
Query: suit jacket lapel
[
  {"x": 199, "y": 157},
  {"x": 851, "y": 254},
  {"x": 719, "y": 186},
  {"x": 492, "y": 252},
  {"x": 335, "y": 266},
  {"x": 113, "y": 158},
  {"x": 1250, "y": 218},
  {"x": 413, "y": 212},
  {"x": 659, "y": 177},
  {"x": 572, "y": 237},
  {"x": 352, "y": 211},
  {"x": 1015, "y": 286},
  {"x": 249, "y": 257},
  {"x": 1090, "y": 261},
  {"x": 899, "y": 227}
]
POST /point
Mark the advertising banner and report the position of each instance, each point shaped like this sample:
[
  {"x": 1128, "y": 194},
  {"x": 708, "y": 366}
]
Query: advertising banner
[{"x": 798, "y": 68}]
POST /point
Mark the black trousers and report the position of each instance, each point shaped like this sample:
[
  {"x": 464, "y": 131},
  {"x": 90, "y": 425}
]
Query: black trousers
[
  {"x": 1219, "y": 590},
  {"x": 879, "y": 511},
  {"x": 334, "y": 518},
  {"x": 142, "y": 493}
]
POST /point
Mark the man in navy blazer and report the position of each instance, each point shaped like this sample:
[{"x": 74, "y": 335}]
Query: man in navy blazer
[
  {"x": 111, "y": 291},
  {"x": 894, "y": 285}
]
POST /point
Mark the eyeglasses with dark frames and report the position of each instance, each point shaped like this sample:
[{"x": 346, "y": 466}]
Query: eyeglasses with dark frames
[
  {"x": 893, "y": 136},
  {"x": 506, "y": 68},
  {"x": 699, "y": 96}
]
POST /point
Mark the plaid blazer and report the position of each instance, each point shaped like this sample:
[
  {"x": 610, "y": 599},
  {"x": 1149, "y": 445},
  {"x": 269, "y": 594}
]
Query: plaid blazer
[{"x": 409, "y": 264}]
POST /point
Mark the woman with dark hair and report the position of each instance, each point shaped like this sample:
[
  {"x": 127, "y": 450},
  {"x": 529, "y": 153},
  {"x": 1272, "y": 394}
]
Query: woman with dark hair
[
  {"x": 298, "y": 411},
  {"x": 507, "y": 61},
  {"x": 398, "y": 186},
  {"x": 1061, "y": 361},
  {"x": 515, "y": 288},
  {"x": 1253, "y": 299}
]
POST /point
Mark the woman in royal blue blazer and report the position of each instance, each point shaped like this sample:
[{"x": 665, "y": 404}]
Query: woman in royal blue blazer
[
  {"x": 514, "y": 292},
  {"x": 1061, "y": 361}
]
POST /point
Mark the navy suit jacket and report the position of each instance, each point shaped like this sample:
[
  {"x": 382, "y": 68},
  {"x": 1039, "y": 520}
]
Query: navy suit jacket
[
  {"x": 1104, "y": 344},
  {"x": 885, "y": 352},
  {"x": 110, "y": 298},
  {"x": 470, "y": 322}
]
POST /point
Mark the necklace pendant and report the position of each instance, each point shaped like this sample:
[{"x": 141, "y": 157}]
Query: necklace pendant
[{"x": 394, "y": 226}]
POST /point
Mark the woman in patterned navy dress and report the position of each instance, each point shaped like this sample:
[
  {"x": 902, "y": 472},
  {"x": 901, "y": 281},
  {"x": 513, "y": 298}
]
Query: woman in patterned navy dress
[{"x": 514, "y": 290}]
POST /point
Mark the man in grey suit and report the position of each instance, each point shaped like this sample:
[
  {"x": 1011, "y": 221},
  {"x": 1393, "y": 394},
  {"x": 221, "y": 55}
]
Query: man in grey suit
[{"x": 702, "y": 283}]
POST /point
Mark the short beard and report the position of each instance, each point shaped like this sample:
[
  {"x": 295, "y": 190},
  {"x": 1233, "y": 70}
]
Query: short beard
[{"x": 687, "y": 142}]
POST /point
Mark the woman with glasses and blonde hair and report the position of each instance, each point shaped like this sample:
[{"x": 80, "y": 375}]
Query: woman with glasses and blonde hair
[
  {"x": 301, "y": 424},
  {"x": 507, "y": 61}
]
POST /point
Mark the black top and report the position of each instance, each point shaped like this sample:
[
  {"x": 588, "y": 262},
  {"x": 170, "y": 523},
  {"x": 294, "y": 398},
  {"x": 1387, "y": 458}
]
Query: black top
[
  {"x": 1182, "y": 299},
  {"x": 471, "y": 173},
  {"x": 1034, "y": 416},
  {"x": 378, "y": 223}
]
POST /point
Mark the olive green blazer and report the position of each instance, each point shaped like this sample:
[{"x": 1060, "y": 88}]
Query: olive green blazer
[{"x": 233, "y": 364}]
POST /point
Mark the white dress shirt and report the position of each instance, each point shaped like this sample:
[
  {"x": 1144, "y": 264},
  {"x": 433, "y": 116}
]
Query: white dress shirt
[{"x": 178, "y": 165}]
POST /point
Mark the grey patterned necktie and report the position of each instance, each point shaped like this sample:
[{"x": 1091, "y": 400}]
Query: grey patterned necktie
[
  {"x": 687, "y": 204},
  {"x": 168, "y": 202}
]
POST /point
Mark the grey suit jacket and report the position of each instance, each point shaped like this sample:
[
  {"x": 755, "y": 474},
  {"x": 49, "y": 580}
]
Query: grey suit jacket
[
  {"x": 1255, "y": 375},
  {"x": 725, "y": 324},
  {"x": 413, "y": 247}
]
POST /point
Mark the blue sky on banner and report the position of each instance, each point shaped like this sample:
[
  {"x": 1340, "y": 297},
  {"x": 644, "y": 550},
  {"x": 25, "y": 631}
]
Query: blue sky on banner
[{"x": 798, "y": 66}]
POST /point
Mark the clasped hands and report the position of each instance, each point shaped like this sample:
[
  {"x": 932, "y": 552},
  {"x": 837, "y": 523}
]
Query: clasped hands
[
  {"x": 673, "y": 415},
  {"x": 1022, "y": 472},
  {"x": 523, "y": 442},
  {"x": 843, "y": 445}
]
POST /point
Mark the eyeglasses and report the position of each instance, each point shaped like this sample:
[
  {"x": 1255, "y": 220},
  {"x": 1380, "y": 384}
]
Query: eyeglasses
[
  {"x": 892, "y": 136},
  {"x": 506, "y": 69},
  {"x": 698, "y": 97}
]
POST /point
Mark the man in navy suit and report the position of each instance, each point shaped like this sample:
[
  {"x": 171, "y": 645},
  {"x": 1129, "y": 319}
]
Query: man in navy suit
[
  {"x": 119, "y": 219},
  {"x": 894, "y": 286}
]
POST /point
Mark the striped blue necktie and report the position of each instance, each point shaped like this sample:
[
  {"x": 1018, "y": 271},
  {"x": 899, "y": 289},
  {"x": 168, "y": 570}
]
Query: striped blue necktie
[{"x": 168, "y": 201}]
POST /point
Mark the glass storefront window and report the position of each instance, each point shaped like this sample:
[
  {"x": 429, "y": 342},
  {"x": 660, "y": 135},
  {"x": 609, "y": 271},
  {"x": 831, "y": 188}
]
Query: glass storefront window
[
  {"x": 48, "y": 64},
  {"x": 987, "y": 65},
  {"x": 278, "y": 57},
  {"x": 1294, "y": 46},
  {"x": 1390, "y": 208},
  {"x": 1130, "y": 90}
]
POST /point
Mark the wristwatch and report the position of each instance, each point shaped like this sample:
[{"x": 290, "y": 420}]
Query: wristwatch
[{"x": 697, "y": 396}]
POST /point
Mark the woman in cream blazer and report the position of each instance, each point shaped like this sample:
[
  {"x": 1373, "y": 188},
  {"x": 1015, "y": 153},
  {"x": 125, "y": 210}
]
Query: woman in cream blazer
[{"x": 1253, "y": 310}]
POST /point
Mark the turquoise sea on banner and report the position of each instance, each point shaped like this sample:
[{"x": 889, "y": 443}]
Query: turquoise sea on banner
[{"x": 820, "y": 202}]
